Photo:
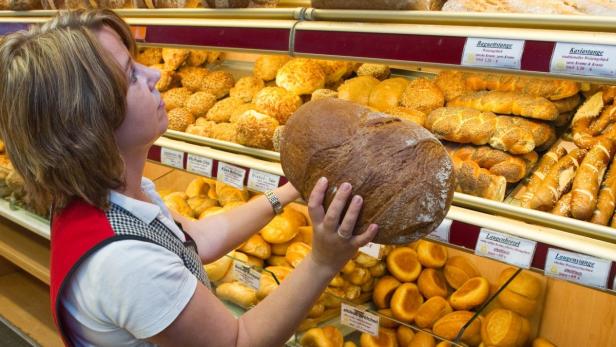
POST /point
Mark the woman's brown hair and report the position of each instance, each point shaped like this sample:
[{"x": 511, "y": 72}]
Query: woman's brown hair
[{"x": 62, "y": 95}]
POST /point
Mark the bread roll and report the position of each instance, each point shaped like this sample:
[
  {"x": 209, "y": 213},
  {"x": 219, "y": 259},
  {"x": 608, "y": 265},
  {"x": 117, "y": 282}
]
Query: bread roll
[
  {"x": 246, "y": 88},
  {"x": 432, "y": 310},
  {"x": 472, "y": 293},
  {"x": 384, "y": 290},
  {"x": 257, "y": 246},
  {"x": 365, "y": 260},
  {"x": 431, "y": 254},
  {"x": 315, "y": 337},
  {"x": 323, "y": 94},
  {"x": 542, "y": 342},
  {"x": 174, "y": 57},
  {"x": 200, "y": 103},
  {"x": 217, "y": 270},
  {"x": 385, "y": 320},
  {"x": 175, "y": 97},
  {"x": 301, "y": 76},
  {"x": 404, "y": 335},
  {"x": 386, "y": 338},
  {"x": 521, "y": 294},
  {"x": 405, "y": 302},
  {"x": 358, "y": 89},
  {"x": 200, "y": 204},
  {"x": 296, "y": 252},
  {"x": 222, "y": 110},
  {"x": 450, "y": 325},
  {"x": 452, "y": 84},
  {"x": 458, "y": 270},
  {"x": 334, "y": 70},
  {"x": 256, "y": 129},
  {"x": 325, "y": 138},
  {"x": 237, "y": 293},
  {"x": 218, "y": 83},
  {"x": 551, "y": 89},
  {"x": 386, "y": 94},
  {"x": 503, "y": 328},
  {"x": 149, "y": 56},
  {"x": 403, "y": 264},
  {"x": 407, "y": 114},
  {"x": 266, "y": 66},
  {"x": 473, "y": 180},
  {"x": 278, "y": 260},
  {"x": 378, "y": 270},
  {"x": 227, "y": 194},
  {"x": 283, "y": 227},
  {"x": 422, "y": 339},
  {"x": 423, "y": 95},
  {"x": 508, "y": 103},
  {"x": 378, "y": 71},
  {"x": 277, "y": 102},
  {"x": 177, "y": 202},
  {"x": 432, "y": 283},
  {"x": 359, "y": 276}
]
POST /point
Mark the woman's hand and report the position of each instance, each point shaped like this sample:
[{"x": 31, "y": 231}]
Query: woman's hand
[{"x": 333, "y": 241}]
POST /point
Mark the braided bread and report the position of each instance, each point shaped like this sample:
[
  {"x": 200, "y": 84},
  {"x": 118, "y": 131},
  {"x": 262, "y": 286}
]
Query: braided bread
[
  {"x": 473, "y": 180},
  {"x": 544, "y": 134},
  {"x": 568, "y": 104},
  {"x": 497, "y": 162},
  {"x": 511, "y": 138},
  {"x": 547, "y": 88},
  {"x": 607, "y": 198},
  {"x": 508, "y": 103}
]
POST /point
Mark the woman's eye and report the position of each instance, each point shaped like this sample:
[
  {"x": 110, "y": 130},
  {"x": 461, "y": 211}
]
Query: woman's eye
[{"x": 133, "y": 76}]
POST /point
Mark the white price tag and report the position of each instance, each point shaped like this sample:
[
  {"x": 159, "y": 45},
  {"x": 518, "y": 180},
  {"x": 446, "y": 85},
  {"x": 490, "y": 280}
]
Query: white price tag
[
  {"x": 372, "y": 249},
  {"x": 172, "y": 157},
  {"x": 576, "y": 267},
  {"x": 246, "y": 274},
  {"x": 442, "y": 232},
  {"x": 493, "y": 53},
  {"x": 231, "y": 175},
  {"x": 506, "y": 248},
  {"x": 199, "y": 165},
  {"x": 359, "y": 319},
  {"x": 262, "y": 181},
  {"x": 584, "y": 59}
]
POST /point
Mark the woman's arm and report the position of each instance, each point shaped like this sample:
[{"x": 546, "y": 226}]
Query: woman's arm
[
  {"x": 219, "y": 234},
  {"x": 206, "y": 322}
]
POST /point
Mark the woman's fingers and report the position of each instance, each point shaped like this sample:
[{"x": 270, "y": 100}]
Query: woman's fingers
[
  {"x": 365, "y": 237},
  {"x": 334, "y": 211},
  {"x": 315, "y": 202},
  {"x": 345, "y": 230}
]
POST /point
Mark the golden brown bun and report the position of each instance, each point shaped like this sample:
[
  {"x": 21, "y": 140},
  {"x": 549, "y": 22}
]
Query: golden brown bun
[
  {"x": 384, "y": 321},
  {"x": 452, "y": 84},
  {"x": 431, "y": 254},
  {"x": 176, "y": 97},
  {"x": 304, "y": 234},
  {"x": 227, "y": 194},
  {"x": 174, "y": 57},
  {"x": 502, "y": 328},
  {"x": 521, "y": 294},
  {"x": 422, "y": 339},
  {"x": 268, "y": 282},
  {"x": 240, "y": 110},
  {"x": 149, "y": 56},
  {"x": 378, "y": 71},
  {"x": 256, "y": 129},
  {"x": 246, "y": 88},
  {"x": 423, "y": 95},
  {"x": 237, "y": 293},
  {"x": 200, "y": 102},
  {"x": 315, "y": 337},
  {"x": 198, "y": 186},
  {"x": 405, "y": 302},
  {"x": 323, "y": 94},
  {"x": 255, "y": 261},
  {"x": 218, "y": 83},
  {"x": 223, "y": 109},
  {"x": 334, "y": 335},
  {"x": 458, "y": 270},
  {"x": 201, "y": 203},
  {"x": 359, "y": 276},
  {"x": 405, "y": 335},
  {"x": 432, "y": 283},
  {"x": 472, "y": 293},
  {"x": 334, "y": 70},
  {"x": 384, "y": 290},
  {"x": 449, "y": 326},
  {"x": 192, "y": 77},
  {"x": 197, "y": 57},
  {"x": 296, "y": 252},
  {"x": 277, "y": 102},
  {"x": 177, "y": 202},
  {"x": 349, "y": 344},
  {"x": 301, "y": 76},
  {"x": 386, "y": 338},
  {"x": 378, "y": 270},
  {"x": 386, "y": 94},
  {"x": 280, "y": 248},
  {"x": 267, "y": 66},
  {"x": 358, "y": 89},
  {"x": 179, "y": 119},
  {"x": 283, "y": 227},
  {"x": 542, "y": 342},
  {"x": 257, "y": 247},
  {"x": 348, "y": 267},
  {"x": 409, "y": 114},
  {"x": 402, "y": 262},
  {"x": 217, "y": 270},
  {"x": 431, "y": 311}
]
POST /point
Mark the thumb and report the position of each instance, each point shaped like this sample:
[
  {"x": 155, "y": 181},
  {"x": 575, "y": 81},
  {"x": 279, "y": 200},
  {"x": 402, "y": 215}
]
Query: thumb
[{"x": 365, "y": 237}]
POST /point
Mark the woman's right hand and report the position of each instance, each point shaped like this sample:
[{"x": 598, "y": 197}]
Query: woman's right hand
[{"x": 333, "y": 241}]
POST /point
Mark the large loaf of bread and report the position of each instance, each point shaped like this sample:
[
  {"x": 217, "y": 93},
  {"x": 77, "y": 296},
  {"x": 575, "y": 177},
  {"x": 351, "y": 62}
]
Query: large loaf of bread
[
  {"x": 401, "y": 170},
  {"x": 419, "y": 5}
]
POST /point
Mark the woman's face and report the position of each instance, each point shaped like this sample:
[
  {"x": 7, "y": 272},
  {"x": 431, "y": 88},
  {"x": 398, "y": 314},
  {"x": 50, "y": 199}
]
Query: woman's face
[{"x": 146, "y": 118}]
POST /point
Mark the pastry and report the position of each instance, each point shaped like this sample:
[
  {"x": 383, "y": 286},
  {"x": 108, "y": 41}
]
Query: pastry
[
  {"x": 548, "y": 160},
  {"x": 452, "y": 84},
  {"x": 404, "y": 335},
  {"x": 301, "y": 76},
  {"x": 197, "y": 57},
  {"x": 386, "y": 338},
  {"x": 473, "y": 180},
  {"x": 551, "y": 89},
  {"x": 513, "y": 168},
  {"x": 588, "y": 178},
  {"x": 422, "y": 339},
  {"x": 283, "y": 227},
  {"x": 359, "y": 276},
  {"x": 255, "y": 129},
  {"x": 423, "y": 95},
  {"x": 521, "y": 294},
  {"x": 173, "y": 58},
  {"x": 504, "y": 328},
  {"x": 606, "y": 200},
  {"x": 277, "y": 102},
  {"x": 192, "y": 77},
  {"x": 334, "y": 70},
  {"x": 149, "y": 56},
  {"x": 365, "y": 260},
  {"x": 240, "y": 110},
  {"x": 223, "y": 109},
  {"x": 257, "y": 247},
  {"x": 385, "y": 320},
  {"x": 387, "y": 94},
  {"x": 472, "y": 293},
  {"x": 296, "y": 252},
  {"x": 200, "y": 103},
  {"x": 217, "y": 270},
  {"x": 430, "y": 311},
  {"x": 227, "y": 194},
  {"x": 508, "y": 103},
  {"x": 237, "y": 293},
  {"x": 218, "y": 83},
  {"x": 246, "y": 88},
  {"x": 431, "y": 254},
  {"x": 224, "y": 132}
]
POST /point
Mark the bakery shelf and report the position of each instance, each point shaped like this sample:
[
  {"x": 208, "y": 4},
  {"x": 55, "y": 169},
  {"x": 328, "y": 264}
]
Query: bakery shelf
[
  {"x": 287, "y": 12},
  {"x": 26, "y": 219},
  {"x": 22, "y": 248}
]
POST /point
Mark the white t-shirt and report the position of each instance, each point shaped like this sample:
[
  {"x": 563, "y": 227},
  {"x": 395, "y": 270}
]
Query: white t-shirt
[{"x": 128, "y": 290}]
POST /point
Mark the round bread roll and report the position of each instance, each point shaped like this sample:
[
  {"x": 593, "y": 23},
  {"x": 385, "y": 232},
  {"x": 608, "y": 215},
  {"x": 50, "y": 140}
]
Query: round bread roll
[
  {"x": 472, "y": 293},
  {"x": 458, "y": 270},
  {"x": 240, "y": 110},
  {"x": 334, "y": 335},
  {"x": 227, "y": 194},
  {"x": 378, "y": 71},
  {"x": 278, "y": 260},
  {"x": 358, "y": 89},
  {"x": 431, "y": 311},
  {"x": 450, "y": 325},
  {"x": 199, "y": 103},
  {"x": 218, "y": 83},
  {"x": 266, "y": 66},
  {"x": 149, "y": 56},
  {"x": 334, "y": 70},
  {"x": 257, "y": 247},
  {"x": 542, "y": 342},
  {"x": 222, "y": 110},
  {"x": 403, "y": 264},
  {"x": 365, "y": 260},
  {"x": 224, "y": 132},
  {"x": 359, "y": 276},
  {"x": 422, "y": 339},
  {"x": 198, "y": 186},
  {"x": 386, "y": 338},
  {"x": 405, "y": 335},
  {"x": 211, "y": 211},
  {"x": 323, "y": 94},
  {"x": 255, "y": 129},
  {"x": 521, "y": 294},
  {"x": 173, "y": 58},
  {"x": 176, "y": 97},
  {"x": 267, "y": 284},
  {"x": 409, "y": 114},
  {"x": 384, "y": 290},
  {"x": 296, "y": 252},
  {"x": 432, "y": 283},
  {"x": 401, "y": 170},
  {"x": 423, "y": 95},
  {"x": 315, "y": 337},
  {"x": 191, "y": 77},
  {"x": 277, "y": 102},
  {"x": 503, "y": 328},
  {"x": 200, "y": 204},
  {"x": 386, "y": 94},
  {"x": 405, "y": 302},
  {"x": 301, "y": 76},
  {"x": 283, "y": 227},
  {"x": 255, "y": 261},
  {"x": 246, "y": 88},
  {"x": 197, "y": 57},
  {"x": 179, "y": 119},
  {"x": 431, "y": 254}
]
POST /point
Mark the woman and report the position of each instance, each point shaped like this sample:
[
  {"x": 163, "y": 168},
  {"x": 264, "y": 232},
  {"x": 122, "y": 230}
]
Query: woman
[{"x": 78, "y": 116}]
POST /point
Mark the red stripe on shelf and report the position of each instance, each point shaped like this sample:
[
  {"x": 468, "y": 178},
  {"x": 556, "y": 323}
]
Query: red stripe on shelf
[
  {"x": 154, "y": 153},
  {"x": 537, "y": 56},
  {"x": 610, "y": 278},
  {"x": 7, "y": 28},
  {"x": 214, "y": 168},
  {"x": 465, "y": 235},
  {"x": 404, "y": 47},
  {"x": 541, "y": 254},
  {"x": 226, "y": 37}
]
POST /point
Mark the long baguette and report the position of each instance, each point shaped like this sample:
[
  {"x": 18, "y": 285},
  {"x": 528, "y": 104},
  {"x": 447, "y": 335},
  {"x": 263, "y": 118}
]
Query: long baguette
[
  {"x": 557, "y": 181},
  {"x": 508, "y": 103},
  {"x": 563, "y": 206},
  {"x": 548, "y": 160},
  {"x": 547, "y": 88},
  {"x": 588, "y": 179},
  {"x": 607, "y": 198}
]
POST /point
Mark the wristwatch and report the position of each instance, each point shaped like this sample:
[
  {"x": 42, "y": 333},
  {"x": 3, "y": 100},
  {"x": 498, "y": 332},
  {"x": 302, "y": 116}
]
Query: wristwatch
[{"x": 274, "y": 201}]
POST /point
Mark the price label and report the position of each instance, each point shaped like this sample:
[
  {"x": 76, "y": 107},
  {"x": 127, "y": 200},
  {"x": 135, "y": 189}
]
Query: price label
[
  {"x": 172, "y": 157},
  {"x": 372, "y": 249},
  {"x": 359, "y": 319},
  {"x": 231, "y": 175},
  {"x": 584, "y": 59},
  {"x": 497, "y": 53},
  {"x": 442, "y": 232},
  {"x": 506, "y": 248},
  {"x": 576, "y": 267},
  {"x": 246, "y": 274},
  {"x": 262, "y": 181},
  {"x": 199, "y": 165}
]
